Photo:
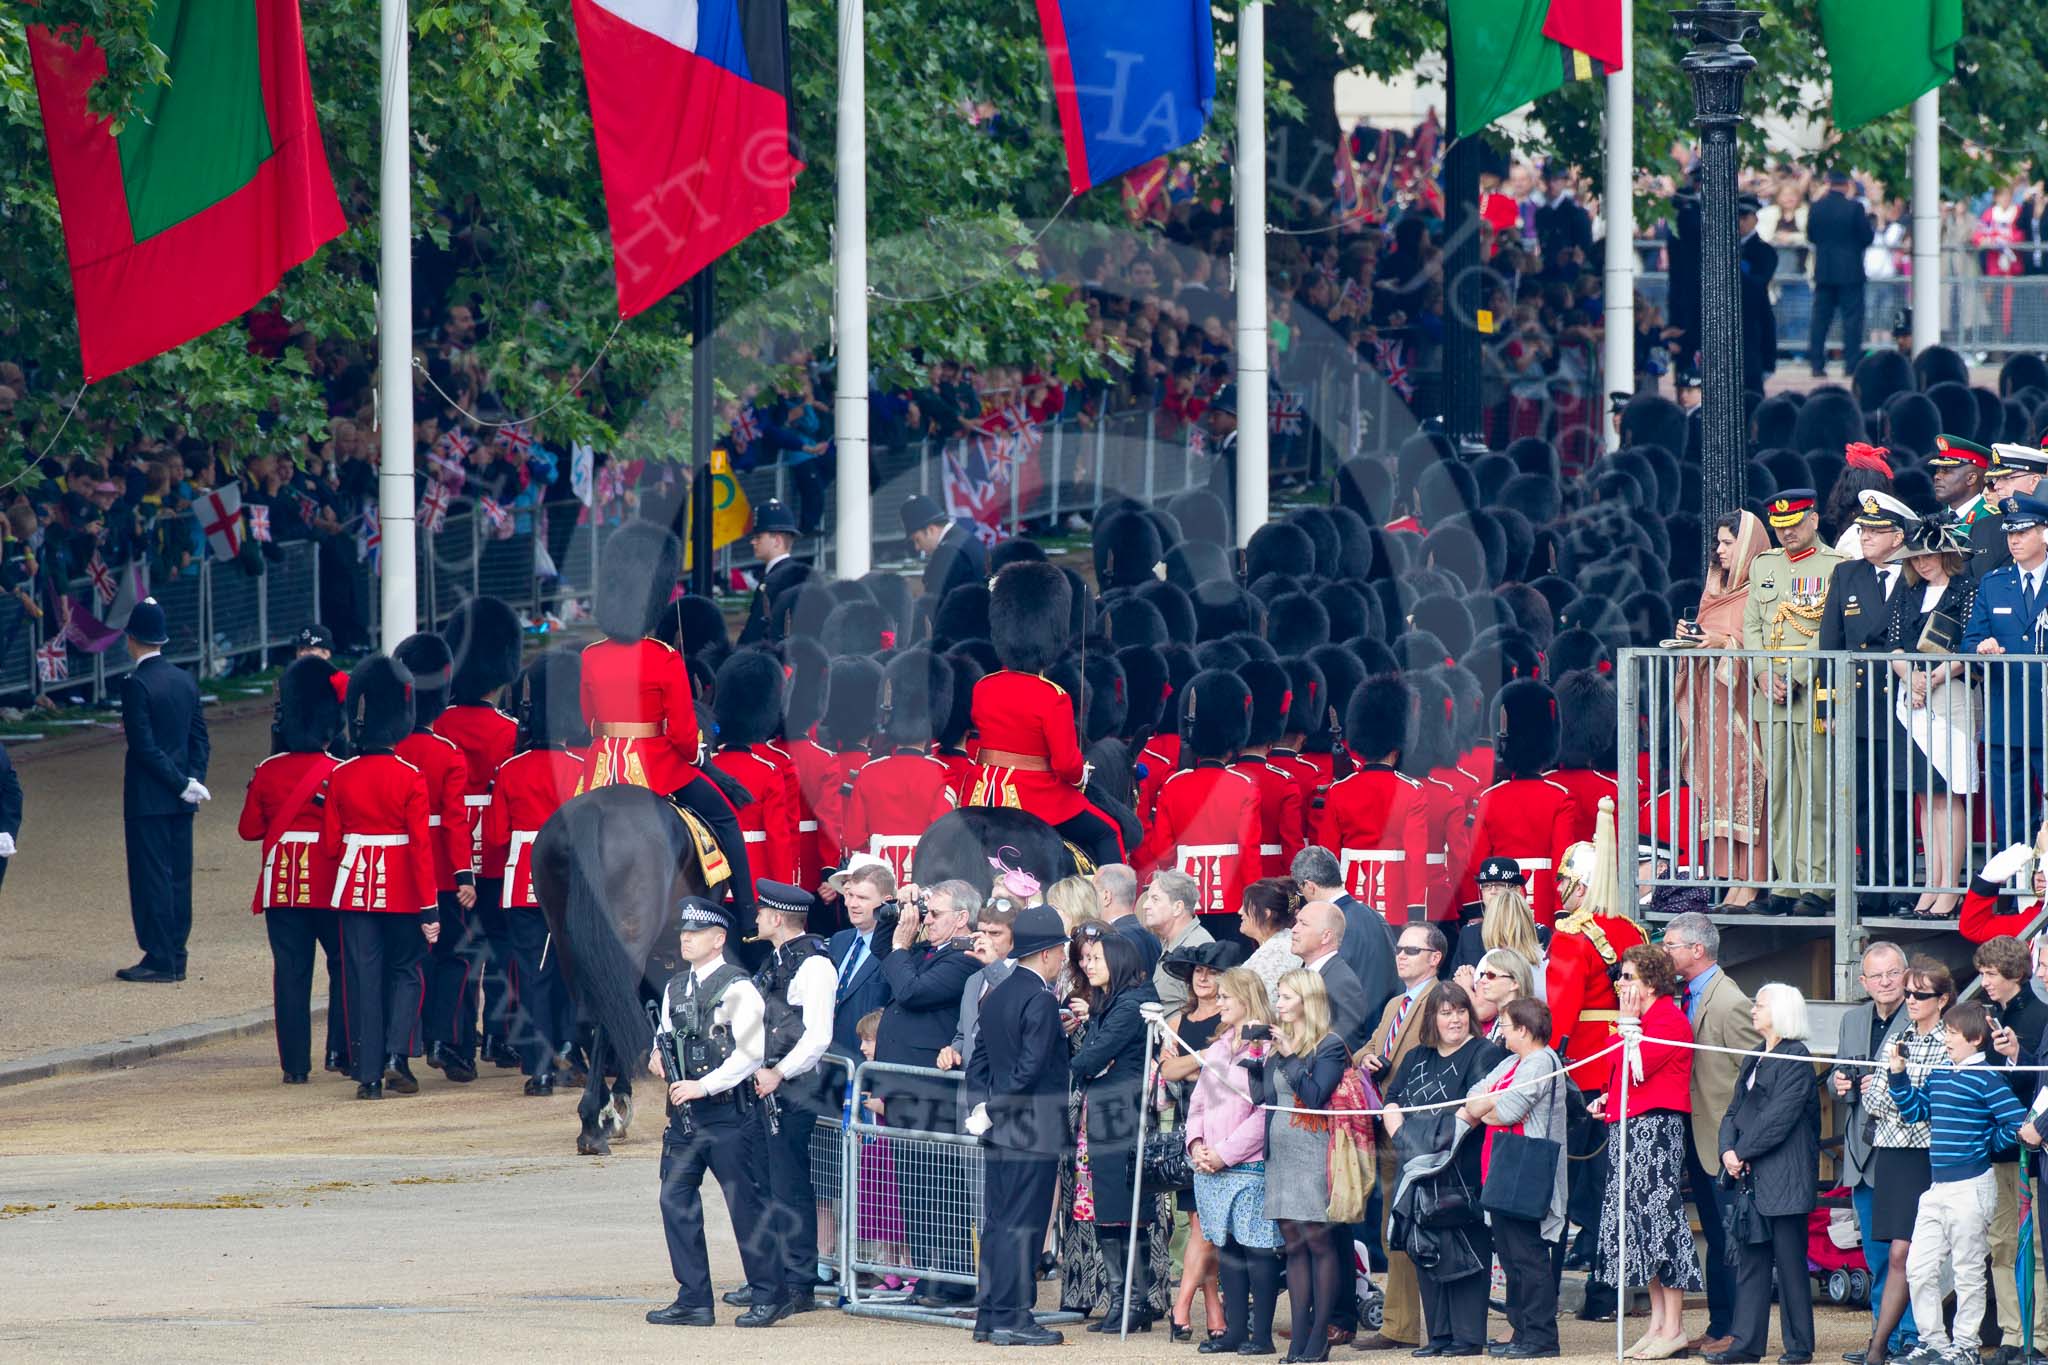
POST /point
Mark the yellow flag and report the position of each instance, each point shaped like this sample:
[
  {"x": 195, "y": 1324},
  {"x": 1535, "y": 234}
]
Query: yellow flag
[{"x": 731, "y": 513}]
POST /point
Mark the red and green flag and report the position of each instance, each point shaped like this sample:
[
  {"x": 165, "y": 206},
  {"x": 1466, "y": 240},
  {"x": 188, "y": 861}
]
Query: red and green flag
[
  {"x": 1884, "y": 54},
  {"x": 213, "y": 188},
  {"x": 1509, "y": 53}
]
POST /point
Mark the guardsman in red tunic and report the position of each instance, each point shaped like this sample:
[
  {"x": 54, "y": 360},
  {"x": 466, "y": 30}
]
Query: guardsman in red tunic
[
  {"x": 528, "y": 788},
  {"x": 1586, "y": 710},
  {"x": 283, "y": 814},
  {"x": 1377, "y": 820},
  {"x": 1283, "y": 824},
  {"x": 1207, "y": 821},
  {"x": 1585, "y": 954},
  {"x": 1147, "y": 686},
  {"x": 484, "y": 635},
  {"x": 449, "y": 1017},
  {"x": 1323, "y": 750},
  {"x": 1525, "y": 816},
  {"x": 1445, "y": 833},
  {"x": 748, "y": 710},
  {"x": 897, "y": 797},
  {"x": 386, "y": 888},
  {"x": 949, "y": 745},
  {"x": 636, "y": 698},
  {"x": 807, "y": 760},
  {"x": 853, "y": 703},
  {"x": 1310, "y": 694},
  {"x": 1030, "y": 756}
]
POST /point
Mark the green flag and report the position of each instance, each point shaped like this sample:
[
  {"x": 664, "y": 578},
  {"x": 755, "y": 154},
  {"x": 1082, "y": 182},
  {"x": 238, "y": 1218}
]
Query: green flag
[
  {"x": 1884, "y": 54},
  {"x": 1503, "y": 61}
]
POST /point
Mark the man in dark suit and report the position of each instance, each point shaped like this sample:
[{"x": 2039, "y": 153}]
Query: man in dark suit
[
  {"x": 1862, "y": 594},
  {"x": 10, "y": 810},
  {"x": 162, "y": 784},
  {"x": 772, "y": 540},
  {"x": 857, "y": 953},
  {"x": 1839, "y": 229},
  {"x": 2005, "y": 618},
  {"x": 927, "y": 968},
  {"x": 1759, "y": 263},
  {"x": 954, "y": 556},
  {"x": 1368, "y": 947},
  {"x": 1017, "y": 1083},
  {"x": 1562, "y": 224},
  {"x": 1318, "y": 935}
]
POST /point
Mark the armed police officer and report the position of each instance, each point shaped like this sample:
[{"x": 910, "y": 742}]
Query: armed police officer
[{"x": 708, "y": 1046}]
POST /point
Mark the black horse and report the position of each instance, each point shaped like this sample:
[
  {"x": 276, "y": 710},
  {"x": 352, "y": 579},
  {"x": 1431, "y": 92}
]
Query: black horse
[
  {"x": 609, "y": 869},
  {"x": 962, "y": 843}
]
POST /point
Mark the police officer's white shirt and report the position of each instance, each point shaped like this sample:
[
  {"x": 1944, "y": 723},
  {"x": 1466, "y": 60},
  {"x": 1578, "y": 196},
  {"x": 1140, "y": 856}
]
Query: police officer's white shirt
[
  {"x": 813, "y": 991},
  {"x": 740, "y": 1010}
]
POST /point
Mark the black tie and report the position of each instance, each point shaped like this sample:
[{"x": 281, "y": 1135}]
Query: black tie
[{"x": 2027, "y": 599}]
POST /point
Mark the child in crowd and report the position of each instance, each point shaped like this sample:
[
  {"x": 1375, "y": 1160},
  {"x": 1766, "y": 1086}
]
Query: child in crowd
[{"x": 881, "y": 1216}]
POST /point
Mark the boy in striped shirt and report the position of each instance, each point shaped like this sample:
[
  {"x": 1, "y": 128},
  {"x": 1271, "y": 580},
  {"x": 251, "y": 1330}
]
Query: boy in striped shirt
[{"x": 1973, "y": 1113}]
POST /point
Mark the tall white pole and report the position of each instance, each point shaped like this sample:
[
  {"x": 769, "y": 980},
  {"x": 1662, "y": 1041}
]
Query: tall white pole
[
  {"x": 1252, "y": 465},
  {"x": 853, "y": 526},
  {"x": 394, "y": 334},
  {"x": 1619, "y": 278},
  {"x": 1926, "y": 221}
]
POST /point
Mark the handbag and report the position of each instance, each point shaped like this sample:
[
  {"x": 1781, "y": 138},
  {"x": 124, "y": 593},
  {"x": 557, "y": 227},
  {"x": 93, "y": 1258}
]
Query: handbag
[
  {"x": 1520, "y": 1175},
  {"x": 1166, "y": 1163},
  {"x": 1446, "y": 1202},
  {"x": 1740, "y": 1220}
]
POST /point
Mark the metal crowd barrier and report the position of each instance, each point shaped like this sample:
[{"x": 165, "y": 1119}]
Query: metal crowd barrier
[
  {"x": 1997, "y": 314},
  {"x": 1880, "y": 777},
  {"x": 829, "y": 1168}
]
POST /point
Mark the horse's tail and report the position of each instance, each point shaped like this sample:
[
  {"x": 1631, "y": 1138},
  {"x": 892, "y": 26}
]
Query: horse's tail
[{"x": 609, "y": 977}]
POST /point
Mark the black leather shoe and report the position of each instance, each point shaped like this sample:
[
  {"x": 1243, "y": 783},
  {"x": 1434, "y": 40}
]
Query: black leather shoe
[
  {"x": 1796, "y": 1358},
  {"x": 1176, "y": 1332},
  {"x": 742, "y": 1297},
  {"x": 1026, "y": 1336},
  {"x": 1256, "y": 1348},
  {"x": 146, "y": 973},
  {"x": 764, "y": 1315},
  {"x": 676, "y": 1315},
  {"x": 1219, "y": 1346},
  {"x": 1776, "y": 905},
  {"x": 542, "y": 1085},
  {"x": 295, "y": 1078},
  {"x": 1530, "y": 1353},
  {"x": 451, "y": 1063},
  {"x": 1853, "y": 1357},
  {"x": 398, "y": 1076},
  {"x": 1463, "y": 1351},
  {"x": 499, "y": 1053},
  {"x": 1814, "y": 905},
  {"x": 1426, "y": 1352},
  {"x": 981, "y": 1336},
  {"x": 802, "y": 1299},
  {"x": 338, "y": 1062},
  {"x": 1734, "y": 1358},
  {"x": 370, "y": 1090}
]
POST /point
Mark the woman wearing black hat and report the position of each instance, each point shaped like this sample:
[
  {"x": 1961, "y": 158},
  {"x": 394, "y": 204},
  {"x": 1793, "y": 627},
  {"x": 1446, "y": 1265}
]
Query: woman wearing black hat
[
  {"x": 1194, "y": 1024},
  {"x": 1940, "y": 760}
]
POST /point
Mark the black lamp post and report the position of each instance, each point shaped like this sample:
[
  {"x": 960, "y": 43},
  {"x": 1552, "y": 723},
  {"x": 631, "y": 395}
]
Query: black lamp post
[{"x": 1718, "y": 64}]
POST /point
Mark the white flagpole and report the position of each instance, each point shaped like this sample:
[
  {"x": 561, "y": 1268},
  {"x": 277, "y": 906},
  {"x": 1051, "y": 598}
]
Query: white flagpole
[
  {"x": 854, "y": 522},
  {"x": 1926, "y": 222},
  {"x": 1252, "y": 465},
  {"x": 394, "y": 333},
  {"x": 1619, "y": 278}
]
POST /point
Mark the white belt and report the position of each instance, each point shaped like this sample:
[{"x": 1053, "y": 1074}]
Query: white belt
[
  {"x": 1186, "y": 851},
  {"x": 1269, "y": 850},
  {"x": 754, "y": 836},
  {"x": 879, "y": 842},
  {"x": 1375, "y": 855},
  {"x": 352, "y": 848},
  {"x": 290, "y": 836},
  {"x": 483, "y": 800},
  {"x": 521, "y": 839},
  {"x": 1437, "y": 859},
  {"x": 1533, "y": 864},
  {"x": 807, "y": 826},
  {"x": 433, "y": 822}
]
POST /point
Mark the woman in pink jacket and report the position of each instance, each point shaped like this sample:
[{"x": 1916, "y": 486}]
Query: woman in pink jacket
[{"x": 1226, "y": 1137}]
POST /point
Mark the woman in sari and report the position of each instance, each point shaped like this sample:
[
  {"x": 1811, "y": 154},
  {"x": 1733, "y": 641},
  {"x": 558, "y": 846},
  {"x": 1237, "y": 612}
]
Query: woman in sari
[{"x": 1723, "y": 762}]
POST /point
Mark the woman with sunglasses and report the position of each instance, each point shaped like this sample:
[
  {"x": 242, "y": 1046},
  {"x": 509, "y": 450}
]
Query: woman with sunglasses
[
  {"x": 1503, "y": 975},
  {"x": 1660, "y": 1244},
  {"x": 1899, "y": 1169}
]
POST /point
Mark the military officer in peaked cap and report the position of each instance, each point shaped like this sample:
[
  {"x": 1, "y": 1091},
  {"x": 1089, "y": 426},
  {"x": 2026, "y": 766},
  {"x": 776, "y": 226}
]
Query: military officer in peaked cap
[
  {"x": 2015, "y": 471},
  {"x": 1788, "y": 592},
  {"x": 2005, "y": 618},
  {"x": 773, "y": 541}
]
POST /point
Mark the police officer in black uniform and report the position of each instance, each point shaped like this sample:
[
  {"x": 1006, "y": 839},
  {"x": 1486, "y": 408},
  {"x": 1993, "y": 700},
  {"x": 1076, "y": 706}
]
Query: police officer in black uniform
[
  {"x": 708, "y": 1047},
  {"x": 797, "y": 985},
  {"x": 773, "y": 541}
]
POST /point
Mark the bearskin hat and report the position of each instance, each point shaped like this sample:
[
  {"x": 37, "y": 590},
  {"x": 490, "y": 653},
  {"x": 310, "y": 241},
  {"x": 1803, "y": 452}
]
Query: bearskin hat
[
  {"x": 1445, "y": 491},
  {"x": 484, "y": 636},
  {"x": 2019, "y": 422},
  {"x": 962, "y": 615},
  {"x": 891, "y": 592},
  {"x": 1030, "y": 616},
  {"x": 1280, "y": 547},
  {"x": 1254, "y": 646},
  {"x": 1534, "y": 456},
  {"x": 1354, "y": 544},
  {"x": 1491, "y": 472},
  {"x": 1145, "y": 689},
  {"x": 1649, "y": 619},
  {"x": 1375, "y": 656},
  {"x": 1016, "y": 550},
  {"x": 809, "y": 676},
  {"x": 1269, "y": 587},
  {"x": 1416, "y": 649},
  {"x": 1430, "y": 743},
  {"x": 1224, "y": 609},
  {"x": 1379, "y": 719},
  {"x": 799, "y": 611},
  {"x": 1202, "y": 516},
  {"x": 1226, "y": 655},
  {"x": 1181, "y": 665},
  {"x": 640, "y": 565},
  {"x": 1134, "y": 621},
  {"x": 1308, "y": 696},
  {"x": 1126, "y": 548},
  {"x": 1345, "y": 614},
  {"x": 1526, "y": 609},
  {"x": 959, "y": 717},
  {"x": 1106, "y": 700},
  {"x": 309, "y": 713},
  {"x": 1271, "y": 700},
  {"x": 1652, "y": 420},
  {"x": 1215, "y": 713},
  {"x": 1365, "y": 488},
  {"x": 853, "y": 702},
  {"x": 1194, "y": 563},
  {"x": 1446, "y": 618},
  {"x": 748, "y": 708},
  {"x": 857, "y": 628},
  {"x": 1342, "y": 672},
  {"x": 1322, "y": 530},
  {"x": 1586, "y": 711},
  {"x": 380, "y": 704},
  {"x": 1525, "y": 744},
  {"x": 2022, "y": 371},
  {"x": 1537, "y": 499},
  {"x": 429, "y": 664},
  {"x": 1878, "y": 376},
  {"x": 547, "y": 700},
  {"x": 1297, "y": 623},
  {"x": 1166, "y": 524},
  {"x": 700, "y": 628},
  {"x": 980, "y": 652},
  {"x": 1958, "y": 408},
  {"x": 1174, "y": 606},
  {"x": 1457, "y": 551},
  {"x": 1990, "y": 413},
  {"x": 1470, "y": 695},
  {"x": 1081, "y": 612},
  {"x": 1940, "y": 365},
  {"x": 1575, "y": 650},
  {"x": 917, "y": 697}
]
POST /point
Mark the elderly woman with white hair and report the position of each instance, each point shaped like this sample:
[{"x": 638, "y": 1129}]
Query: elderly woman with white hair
[{"x": 1770, "y": 1149}]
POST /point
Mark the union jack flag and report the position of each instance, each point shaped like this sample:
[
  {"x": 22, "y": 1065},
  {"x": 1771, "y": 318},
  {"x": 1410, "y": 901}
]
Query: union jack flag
[
  {"x": 102, "y": 578},
  {"x": 1357, "y": 296},
  {"x": 53, "y": 663},
  {"x": 497, "y": 521},
  {"x": 259, "y": 523},
  {"x": 1285, "y": 412},
  {"x": 370, "y": 538},
  {"x": 447, "y": 457},
  {"x": 1393, "y": 366},
  {"x": 746, "y": 427},
  {"x": 516, "y": 438},
  {"x": 308, "y": 507},
  {"x": 977, "y": 488},
  {"x": 434, "y": 508}
]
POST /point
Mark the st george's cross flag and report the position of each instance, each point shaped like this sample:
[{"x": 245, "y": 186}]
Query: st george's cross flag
[
  {"x": 215, "y": 185},
  {"x": 689, "y": 100},
  {"x": 1132, "y": 79}
]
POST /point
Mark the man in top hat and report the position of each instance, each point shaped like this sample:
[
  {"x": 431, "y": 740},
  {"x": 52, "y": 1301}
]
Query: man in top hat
[
  {"x": 1788, "y": 591},
  {"x": 2015, "y": 471},
  {"x": 1858, "y": 618},
  {"x": 1838, "y": 228},
  {"x": 163, "y": 780},
  {"x": 1758, "y": 261},
  {"x": 953, "y": 555},
  {"x": 1017, "y": 1082},
  {"x": 772, "y": 540},
  {"x": 2005, "y": 618},
  {"x": 1959, "y": 469}
]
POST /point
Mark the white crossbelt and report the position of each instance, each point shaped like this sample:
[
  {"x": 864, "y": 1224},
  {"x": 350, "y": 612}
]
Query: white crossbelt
[
  {"x": 1375, "y": 855},
  {"x": 352, "y": 850},
  {"x": 522, "y": 839}
]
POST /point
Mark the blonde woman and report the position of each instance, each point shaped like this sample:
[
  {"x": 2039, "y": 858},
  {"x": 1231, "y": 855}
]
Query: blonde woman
[
  {"x": 1075, "y": 899},
  {"x": 1308, "y": 1066},
  {"x": 1506, "y": 923},
  {"x": 1503, "y": 976},
  {"x": 1226, "y": 1136}
]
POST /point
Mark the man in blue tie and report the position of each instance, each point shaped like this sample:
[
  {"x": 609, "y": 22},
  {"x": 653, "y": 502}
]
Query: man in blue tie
[
  {"x": 2005, "y": 619},
  {"x": 857, "y": 953}
]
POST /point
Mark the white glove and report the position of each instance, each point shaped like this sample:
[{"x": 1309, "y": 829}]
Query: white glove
[
  {"x": 978, "y": 1122},
  {"x": 194, "y": 793},
  {"x": 2002, "y": 866},
  {"x": 6, "y": 845}
]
